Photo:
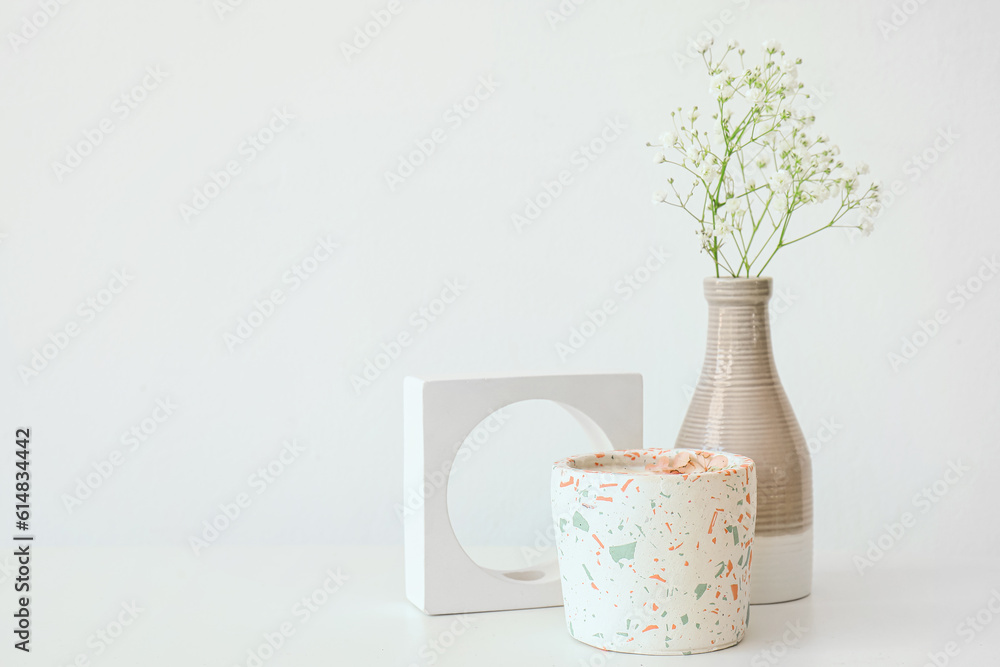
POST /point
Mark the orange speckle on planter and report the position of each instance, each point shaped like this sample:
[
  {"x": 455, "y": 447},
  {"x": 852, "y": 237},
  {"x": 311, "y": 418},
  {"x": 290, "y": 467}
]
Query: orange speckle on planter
[
  {"x": 594, "y": 586},
  {"x": 651, "y": 627},
  {"x": 735, "y": 588},
  {"x": 594, "y": 535},
  {"x": 607, "y": 498},
  {"x": 604, "y": 486},
  {"x": 656, "y": 576},
  {"x": 625, "y": 485}
]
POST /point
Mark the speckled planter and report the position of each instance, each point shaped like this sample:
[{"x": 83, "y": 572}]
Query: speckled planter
[{"x": 654, "y": 563}]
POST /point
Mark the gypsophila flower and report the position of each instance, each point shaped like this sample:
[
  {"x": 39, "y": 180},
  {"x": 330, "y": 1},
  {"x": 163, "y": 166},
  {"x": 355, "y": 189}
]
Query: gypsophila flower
[{"x": 757, "y": 165}]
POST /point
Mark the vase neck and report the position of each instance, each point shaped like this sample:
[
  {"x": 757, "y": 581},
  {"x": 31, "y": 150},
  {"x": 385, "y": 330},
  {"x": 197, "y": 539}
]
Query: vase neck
[{"x": 739, "y": 333}]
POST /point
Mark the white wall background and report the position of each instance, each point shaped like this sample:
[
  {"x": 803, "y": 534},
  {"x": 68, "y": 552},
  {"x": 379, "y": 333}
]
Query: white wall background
[{"x": 883, "y": 97}]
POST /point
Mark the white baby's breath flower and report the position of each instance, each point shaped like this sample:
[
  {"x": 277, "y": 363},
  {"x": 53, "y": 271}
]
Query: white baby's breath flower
[
  {"x": 719, "y": 86},
  {"x": 659, "y": 158},
  {"x": 780, "y": 181},
  {"x": 779, "y": 205},
  {"x": 737, "y": 206},
  {"x": 757, "y": 190},
  {"x": 708, "y": 171}
]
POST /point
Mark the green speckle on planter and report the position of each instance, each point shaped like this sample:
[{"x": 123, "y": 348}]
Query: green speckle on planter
[
  {"x": 587, "y": 571},
  {"x": 562, "y": 524},
  {"x": 736, "y": 533},
  {"x": 580, "y": 522},
  {"x": 698, "y": 625},
  {"x": 740, "y": 561},
  {"x": 665, "y": 495},
  {"x": 684, "y": 619},
  {"x": 700, "y": 589},
  {"x": 622, "y": 551},
  {"x": 628, "y": 623},
  {"x": 722, "y": 566},
  {"x": 623, "y": 634}
]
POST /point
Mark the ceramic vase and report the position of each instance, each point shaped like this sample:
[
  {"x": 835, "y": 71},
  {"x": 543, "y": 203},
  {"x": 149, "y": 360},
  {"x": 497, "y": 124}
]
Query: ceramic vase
[
  {"x": 651, "y": 562},
  {"x": 739, "y": 406}
]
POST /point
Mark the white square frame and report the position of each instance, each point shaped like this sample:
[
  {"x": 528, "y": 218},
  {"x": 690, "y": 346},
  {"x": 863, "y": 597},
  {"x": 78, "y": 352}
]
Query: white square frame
[{"x": 438, "y": 415}]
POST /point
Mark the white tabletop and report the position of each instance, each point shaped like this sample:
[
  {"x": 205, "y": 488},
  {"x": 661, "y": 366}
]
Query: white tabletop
[{"x": 215, "y": 608}]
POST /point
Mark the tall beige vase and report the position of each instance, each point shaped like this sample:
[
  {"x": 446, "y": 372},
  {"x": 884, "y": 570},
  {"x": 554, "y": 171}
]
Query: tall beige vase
[{"x": 739, "y": 406}]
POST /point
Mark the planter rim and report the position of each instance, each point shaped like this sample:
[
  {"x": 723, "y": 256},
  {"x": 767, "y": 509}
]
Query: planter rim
[{"x": 737, "y": 462}]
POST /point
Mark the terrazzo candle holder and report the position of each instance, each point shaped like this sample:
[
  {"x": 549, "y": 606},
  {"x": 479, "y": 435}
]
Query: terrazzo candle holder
[{"x": 655, "y": 563}]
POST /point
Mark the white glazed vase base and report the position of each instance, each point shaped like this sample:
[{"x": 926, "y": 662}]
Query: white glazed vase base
[{"x": 780, "y": 573}]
